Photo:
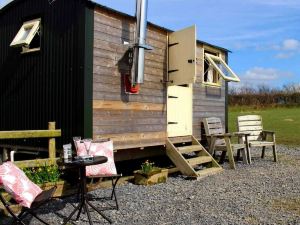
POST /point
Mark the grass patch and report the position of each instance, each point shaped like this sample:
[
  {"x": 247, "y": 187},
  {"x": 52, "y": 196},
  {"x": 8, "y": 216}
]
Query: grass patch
[{"x": 284, "y": 121}]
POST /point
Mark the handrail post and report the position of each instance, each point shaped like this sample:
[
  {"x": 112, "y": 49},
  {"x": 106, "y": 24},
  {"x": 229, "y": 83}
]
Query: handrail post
[{"x": 52, "y": 147}]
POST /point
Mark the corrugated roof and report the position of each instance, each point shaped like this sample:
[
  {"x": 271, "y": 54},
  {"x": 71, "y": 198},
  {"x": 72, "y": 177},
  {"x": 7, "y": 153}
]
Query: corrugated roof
[{"x": 95, "y": 4}]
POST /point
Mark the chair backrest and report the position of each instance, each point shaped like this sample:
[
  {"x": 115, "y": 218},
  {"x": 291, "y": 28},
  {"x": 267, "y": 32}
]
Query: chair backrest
[
  {"x": 213, "y": 125},
  {"x": 251, "y": 124}
]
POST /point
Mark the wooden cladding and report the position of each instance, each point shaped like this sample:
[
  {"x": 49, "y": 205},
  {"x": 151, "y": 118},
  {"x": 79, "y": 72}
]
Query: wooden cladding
[
  {"x": 139, "y": 120},
  {"x": 133, "y": 140},
  {"x": 119, "y": 105}
]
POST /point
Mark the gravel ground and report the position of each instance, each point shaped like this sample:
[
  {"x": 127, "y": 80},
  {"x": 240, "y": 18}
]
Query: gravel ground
[{"x": 261, "y": 193}]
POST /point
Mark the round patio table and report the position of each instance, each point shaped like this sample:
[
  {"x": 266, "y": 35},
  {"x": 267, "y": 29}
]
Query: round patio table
[{"x": 84, "y": 203}]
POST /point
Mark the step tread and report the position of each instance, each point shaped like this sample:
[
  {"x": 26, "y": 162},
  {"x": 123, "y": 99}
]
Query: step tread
[
  {"x": 189, "y": 148},
  {"x": 199, "y": 160},
  {"x": 209, "y": 171}
]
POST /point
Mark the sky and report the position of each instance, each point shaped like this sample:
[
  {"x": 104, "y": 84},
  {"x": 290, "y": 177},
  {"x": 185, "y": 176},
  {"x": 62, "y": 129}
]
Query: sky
[{"x": 263, "y": 35}]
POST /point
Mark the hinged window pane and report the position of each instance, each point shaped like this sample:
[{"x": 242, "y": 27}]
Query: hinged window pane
[
  {"x": 26, "y": 33},
  {"x": 222, "y": 68}
]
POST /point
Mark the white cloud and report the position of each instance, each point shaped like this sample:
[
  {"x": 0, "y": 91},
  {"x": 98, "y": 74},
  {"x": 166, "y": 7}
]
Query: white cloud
[
  {"x": 264, "y": 74},
  {"x": 258, "y": 76},
  {"x": 287, "y": 49},
  {"x": 284, "y": 55},
  {"x": 288, "y": 45}
]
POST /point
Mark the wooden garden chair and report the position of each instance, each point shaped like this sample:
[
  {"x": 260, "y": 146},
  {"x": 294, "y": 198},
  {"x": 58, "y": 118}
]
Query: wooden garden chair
[
  {"x": 18, "y": 194},
  {"x": 218, "y": 140},
  {"x": 257, "y": 137}
]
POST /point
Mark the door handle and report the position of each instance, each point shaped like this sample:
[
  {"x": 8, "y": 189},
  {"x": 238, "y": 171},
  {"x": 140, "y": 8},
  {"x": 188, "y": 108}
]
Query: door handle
[{"x": 172, "y": 123}]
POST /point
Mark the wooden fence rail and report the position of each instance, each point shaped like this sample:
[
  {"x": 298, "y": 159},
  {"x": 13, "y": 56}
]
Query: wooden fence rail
[{"x": 51, "y": 133}]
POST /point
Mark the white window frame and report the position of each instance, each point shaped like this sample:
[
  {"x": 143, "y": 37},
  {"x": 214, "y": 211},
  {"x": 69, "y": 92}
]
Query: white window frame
[
  {"x": 211, "y": 59},
  {"x": 33, "y": 26}
]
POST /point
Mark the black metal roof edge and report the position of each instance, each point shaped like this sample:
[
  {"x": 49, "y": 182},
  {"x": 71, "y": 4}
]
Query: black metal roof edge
[{"x": 93, "y": 4}]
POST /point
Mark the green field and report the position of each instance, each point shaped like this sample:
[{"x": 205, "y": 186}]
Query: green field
[{"x": 284, "y": 121}]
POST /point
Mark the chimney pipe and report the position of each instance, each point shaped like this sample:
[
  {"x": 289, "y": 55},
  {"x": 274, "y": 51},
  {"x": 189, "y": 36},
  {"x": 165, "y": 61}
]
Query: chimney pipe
[{"x": 140, "y": 39}]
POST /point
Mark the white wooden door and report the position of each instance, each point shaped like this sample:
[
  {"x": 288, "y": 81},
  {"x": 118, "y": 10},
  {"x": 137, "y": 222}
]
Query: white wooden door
[
  {"x": 182, "y": 56},
  {"x": 179, "y": 111}
]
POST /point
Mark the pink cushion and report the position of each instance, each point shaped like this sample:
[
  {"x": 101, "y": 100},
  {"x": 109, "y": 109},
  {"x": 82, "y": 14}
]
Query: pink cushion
[
  {"x": 102, "y": 149},
  {"x": 80, "y": 148},
  {"x": 18, "y": 185}
]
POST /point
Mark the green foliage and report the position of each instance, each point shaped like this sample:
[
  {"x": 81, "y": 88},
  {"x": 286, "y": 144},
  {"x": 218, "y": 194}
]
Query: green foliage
[
  {"x": 147, "y": 167},
  {"x": 283, "y": 120},
  {"x": 43, "y": 174}
]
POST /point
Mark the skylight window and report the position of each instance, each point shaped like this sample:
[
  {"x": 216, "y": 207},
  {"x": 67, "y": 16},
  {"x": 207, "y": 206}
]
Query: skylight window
[
  {"x": 222, "y": 68},
  {"x": 26, "y": 35}
]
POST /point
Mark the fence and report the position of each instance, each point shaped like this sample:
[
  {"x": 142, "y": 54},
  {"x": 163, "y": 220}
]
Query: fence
[{"x": 51, "y": 133}]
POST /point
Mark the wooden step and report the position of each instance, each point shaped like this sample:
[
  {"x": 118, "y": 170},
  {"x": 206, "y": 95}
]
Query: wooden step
[
  {"x": 208, "y": 171},
  {"x": 181, "y": 139},
  {"x": 199, "y": 160},
  {"x": 189, "y": 149}
]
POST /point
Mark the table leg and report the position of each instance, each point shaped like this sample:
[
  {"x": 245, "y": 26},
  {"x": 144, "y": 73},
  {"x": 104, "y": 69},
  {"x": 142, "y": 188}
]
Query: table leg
[
  {"x": 98, "y": 211},
  {"x": 88, "y": 213},
  {"x": 72, "y": 213}
]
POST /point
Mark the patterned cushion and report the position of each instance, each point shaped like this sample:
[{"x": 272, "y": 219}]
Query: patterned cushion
[
  {"x": 102, "y": 149},
  {"x": 18, "y": 185},
  {"x": 80, "y": 148}
]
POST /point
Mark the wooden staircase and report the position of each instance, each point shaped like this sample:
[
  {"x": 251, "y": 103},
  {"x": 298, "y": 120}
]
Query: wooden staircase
[{"x": 192, "y": 160}]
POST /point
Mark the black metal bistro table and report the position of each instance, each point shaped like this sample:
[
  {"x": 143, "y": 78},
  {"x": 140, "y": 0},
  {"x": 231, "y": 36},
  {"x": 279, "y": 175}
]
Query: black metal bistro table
[{"x": 84, "y": 203}]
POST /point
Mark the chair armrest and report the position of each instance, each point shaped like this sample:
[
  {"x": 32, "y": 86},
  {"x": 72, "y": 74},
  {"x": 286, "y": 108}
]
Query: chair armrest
[
  {"x": 221, "y": 135},
  {"x": 241, "y": 134},
  {"x": 268, "y": 132}
]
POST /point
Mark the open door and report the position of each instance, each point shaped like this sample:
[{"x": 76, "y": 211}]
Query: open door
[
  {"x": 179, "y": 110},
  {"x": 182, "y": 56}
]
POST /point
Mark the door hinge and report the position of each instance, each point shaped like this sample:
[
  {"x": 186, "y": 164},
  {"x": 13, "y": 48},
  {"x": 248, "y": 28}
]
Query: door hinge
[
  {"x": 172, "y": 123},
  {"x": 170, "y": 96}
]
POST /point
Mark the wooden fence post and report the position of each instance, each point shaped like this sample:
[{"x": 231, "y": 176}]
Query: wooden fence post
[{"x": 52, "y": 148}]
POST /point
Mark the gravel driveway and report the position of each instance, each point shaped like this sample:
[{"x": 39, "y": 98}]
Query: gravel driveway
[{"x": 262, "y": 193}]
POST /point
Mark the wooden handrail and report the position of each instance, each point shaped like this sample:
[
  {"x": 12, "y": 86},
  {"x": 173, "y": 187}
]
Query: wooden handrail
[
  {"x": 51, "y": 133},
  {"x": 29, "y": 134}
]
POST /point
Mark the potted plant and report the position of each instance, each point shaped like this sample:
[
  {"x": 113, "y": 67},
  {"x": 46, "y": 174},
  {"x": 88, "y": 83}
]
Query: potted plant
[
  {"x": 46, "y": 177},
  {"x": 149, "y": 174}
]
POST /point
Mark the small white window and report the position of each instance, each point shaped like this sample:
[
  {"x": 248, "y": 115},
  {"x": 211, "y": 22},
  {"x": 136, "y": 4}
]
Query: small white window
[
  {"x": 26, "y": 35},
  {"x": 221, "y": 67}
]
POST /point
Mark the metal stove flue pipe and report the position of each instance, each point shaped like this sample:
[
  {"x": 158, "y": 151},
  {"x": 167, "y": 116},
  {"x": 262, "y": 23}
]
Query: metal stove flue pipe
[{"x": 140, "y": 42}]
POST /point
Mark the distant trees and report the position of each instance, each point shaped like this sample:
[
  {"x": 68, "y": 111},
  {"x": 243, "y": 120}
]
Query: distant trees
[{"x": 264, "y": 95}]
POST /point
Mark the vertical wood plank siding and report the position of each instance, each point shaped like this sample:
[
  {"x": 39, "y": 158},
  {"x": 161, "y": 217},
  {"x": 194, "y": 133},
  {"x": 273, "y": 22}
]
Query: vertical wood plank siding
[
  {"x": 43, "y": 86},
  {"x": 130, "y": 120}
]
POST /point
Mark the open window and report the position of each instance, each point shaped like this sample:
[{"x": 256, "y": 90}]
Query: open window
[
  {"x": 28, "y": 37},
  {"x": 215, "y": 68},
  {"x": 210, "y": 76}
]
